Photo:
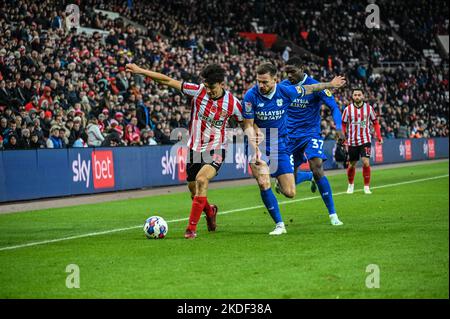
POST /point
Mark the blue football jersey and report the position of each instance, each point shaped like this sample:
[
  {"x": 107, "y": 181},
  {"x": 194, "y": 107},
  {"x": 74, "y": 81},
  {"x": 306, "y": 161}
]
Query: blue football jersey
[
  {"x": 270, "y": 111},
  {"x": 304, "y": 116}
]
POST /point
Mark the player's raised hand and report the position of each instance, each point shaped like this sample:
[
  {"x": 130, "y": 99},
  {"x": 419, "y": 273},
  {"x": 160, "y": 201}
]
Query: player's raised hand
[
  {"x": 133, "y": 68},
  {"x": 338, "y": 81}
]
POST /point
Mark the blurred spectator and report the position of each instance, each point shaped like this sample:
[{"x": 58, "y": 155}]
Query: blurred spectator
[
  {"x": 165, "y": 137},
  {"x": 54, "y": 141},
  {"x": 35, "y": 142},
  {"x": 95, "y": 137},
  {"x": 148, "y": 137},
  {"x": 12, "y": 143},
  {"x": 25, "y": 141},
  {"x": 63, "y": 137},
  {"x": 82, "y": 140},
  {"x": 113, "y": 139}
]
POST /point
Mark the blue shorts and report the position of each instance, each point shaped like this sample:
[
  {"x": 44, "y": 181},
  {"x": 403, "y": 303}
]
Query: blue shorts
[
  {"x": 279, "y": 158},
  {"x": 305, "y": 148},
  {"x": 283, "y": 164}
]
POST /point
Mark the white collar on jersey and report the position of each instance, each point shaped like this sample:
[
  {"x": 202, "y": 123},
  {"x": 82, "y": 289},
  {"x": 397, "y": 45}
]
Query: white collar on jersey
[
  {"x": 303, "y": 81},
  {"x": 270, "y": 96}
]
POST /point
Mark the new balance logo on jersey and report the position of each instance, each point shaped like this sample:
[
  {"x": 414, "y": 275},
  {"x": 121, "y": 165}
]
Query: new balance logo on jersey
[
  {"x": 280, "y": 102},
  {"x": 260, "y": 104}
]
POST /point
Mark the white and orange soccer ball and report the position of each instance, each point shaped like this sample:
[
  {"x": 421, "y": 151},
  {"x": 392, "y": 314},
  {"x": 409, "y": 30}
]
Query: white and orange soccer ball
[{"x": 155, "y": 227}]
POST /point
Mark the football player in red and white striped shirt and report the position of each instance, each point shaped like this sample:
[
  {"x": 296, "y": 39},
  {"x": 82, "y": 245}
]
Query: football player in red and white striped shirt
[
  {"x": 212, "y": 106},
  {"x": 356, "y": 120}
]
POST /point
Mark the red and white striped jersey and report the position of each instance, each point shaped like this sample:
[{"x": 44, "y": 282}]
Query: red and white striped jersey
[
  {"x": 209, "y": 117},
  {"x": 358, "y": 123}
]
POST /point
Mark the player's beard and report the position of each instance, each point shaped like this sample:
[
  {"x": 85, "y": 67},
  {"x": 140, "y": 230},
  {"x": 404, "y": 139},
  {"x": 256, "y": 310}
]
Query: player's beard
[
  {"x": 359, "y": 103},
  {"x": 268, "y": 90}
]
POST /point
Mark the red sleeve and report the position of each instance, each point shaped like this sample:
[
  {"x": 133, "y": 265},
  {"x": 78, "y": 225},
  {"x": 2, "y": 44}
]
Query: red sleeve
[
  {"x": 344, "y": 128},
  {"x": 377, "y": 128}
]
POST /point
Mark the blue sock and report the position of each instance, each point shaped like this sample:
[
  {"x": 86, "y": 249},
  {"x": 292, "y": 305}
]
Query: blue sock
[
  {"x": 303, "y": 177},
  {"x": 327, "y": 195},
  {"x": 271, "y": 203}
]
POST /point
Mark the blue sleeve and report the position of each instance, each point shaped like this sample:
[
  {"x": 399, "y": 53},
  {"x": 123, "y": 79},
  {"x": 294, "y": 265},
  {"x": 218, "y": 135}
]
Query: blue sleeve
[
  {"x": 248, "y": 106},
  {"x": 294, "y": 91},
  {"x": 328, "y": 99}
]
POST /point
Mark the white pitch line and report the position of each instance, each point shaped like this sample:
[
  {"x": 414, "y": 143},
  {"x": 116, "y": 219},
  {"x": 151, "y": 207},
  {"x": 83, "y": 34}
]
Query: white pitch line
[{"x": 223, "y": 213}]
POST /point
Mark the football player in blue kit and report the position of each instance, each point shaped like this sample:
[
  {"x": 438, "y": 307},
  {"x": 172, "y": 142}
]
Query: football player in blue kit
[
  {"x": 305, "y": 139},
  {"x": 265, "y": 108}
]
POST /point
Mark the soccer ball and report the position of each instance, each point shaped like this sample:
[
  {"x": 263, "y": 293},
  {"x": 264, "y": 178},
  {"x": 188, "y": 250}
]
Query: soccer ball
[{"x": 155, "y": 227}]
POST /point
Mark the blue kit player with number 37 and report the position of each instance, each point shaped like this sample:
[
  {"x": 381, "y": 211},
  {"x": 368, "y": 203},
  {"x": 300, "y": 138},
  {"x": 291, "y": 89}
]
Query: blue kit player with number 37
[
  {"x": 265, "y": 107},
  {"x": 305, "y": 139}
]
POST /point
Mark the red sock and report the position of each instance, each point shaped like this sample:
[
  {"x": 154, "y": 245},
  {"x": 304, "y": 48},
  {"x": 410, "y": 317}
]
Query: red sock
[
  {"x": 207, "y": 208},
  {"x": 366, "y": 175},
  {"x": 351, "y": 174},
  {"x": 198, "y": 204}
]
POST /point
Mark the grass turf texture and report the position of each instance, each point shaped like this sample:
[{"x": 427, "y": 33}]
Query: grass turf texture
[{"x": 403, "y": 229}]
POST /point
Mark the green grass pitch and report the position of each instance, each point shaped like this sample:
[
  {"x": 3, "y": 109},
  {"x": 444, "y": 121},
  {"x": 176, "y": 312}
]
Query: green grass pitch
[{"x": 402, "y": 228}]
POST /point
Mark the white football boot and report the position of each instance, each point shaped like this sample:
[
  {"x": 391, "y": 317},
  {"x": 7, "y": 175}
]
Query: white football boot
[
  {"x": 335, "y": 220},
  {"x": 279, "y": 229},
  {"x": 350, "y": 188},
  {"x": 367, "y": 190}
]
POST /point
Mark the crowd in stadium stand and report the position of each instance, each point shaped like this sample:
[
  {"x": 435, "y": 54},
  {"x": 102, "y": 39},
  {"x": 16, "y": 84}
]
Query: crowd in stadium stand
[
  {"x": 62, "y": 89},
  {"x": 416, "y": 20}
]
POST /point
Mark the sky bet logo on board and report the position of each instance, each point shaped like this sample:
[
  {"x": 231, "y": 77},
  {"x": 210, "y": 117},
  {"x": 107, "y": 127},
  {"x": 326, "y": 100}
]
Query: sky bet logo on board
[
  {"x": 102, "y": 166},
  {"x": 169, "y": 164}
]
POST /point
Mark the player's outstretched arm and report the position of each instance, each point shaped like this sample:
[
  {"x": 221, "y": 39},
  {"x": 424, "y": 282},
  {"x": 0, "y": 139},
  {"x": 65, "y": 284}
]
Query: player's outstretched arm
[
  {"x": 337, "y": 82},
  {"x": 155, "y": 76}
]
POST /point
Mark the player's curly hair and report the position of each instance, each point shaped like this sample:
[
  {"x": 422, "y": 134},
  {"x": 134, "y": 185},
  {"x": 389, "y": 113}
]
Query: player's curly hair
[
  {"x": 295, "y": 61},
  {"x": 213, "y": 73}
]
